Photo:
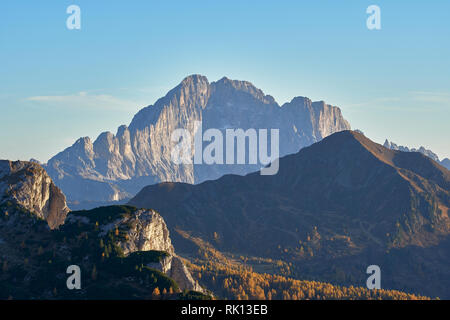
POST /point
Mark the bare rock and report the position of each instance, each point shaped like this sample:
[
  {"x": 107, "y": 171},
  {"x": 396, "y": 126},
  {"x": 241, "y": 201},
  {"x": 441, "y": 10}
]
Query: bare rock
[{"x": 27, "y": 185}]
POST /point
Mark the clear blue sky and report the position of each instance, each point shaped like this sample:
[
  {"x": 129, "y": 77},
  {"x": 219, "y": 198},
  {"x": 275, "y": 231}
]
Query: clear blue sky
[{"x": 57, "y": 84}]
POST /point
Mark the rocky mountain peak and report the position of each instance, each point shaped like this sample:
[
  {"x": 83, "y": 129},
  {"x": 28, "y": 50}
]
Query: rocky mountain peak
[
  {"x": 446, "y": 163},
  {"x": 117, "y": 167},
  {"x": 138, "y": 230},
  {"x": 390, "y": 145},
  {"x": 82, "y": 146},
  {"x": 194, "y": 88},
  {"x": 83, "y": 142},
  {"x": 227, "y": 85},
  {"x": 300, "y": 101},
  {"x": 122, "y": 130},
  {"x": 195, "y": 80},
  {"x": 26, "y": 185}
]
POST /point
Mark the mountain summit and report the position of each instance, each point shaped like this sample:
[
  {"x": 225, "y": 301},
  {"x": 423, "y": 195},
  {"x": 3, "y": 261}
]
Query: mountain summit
[
  {"x": 116, "y": 167},
  {"x": 345, "y": 202},
  {"x": 345, "y": 176}
]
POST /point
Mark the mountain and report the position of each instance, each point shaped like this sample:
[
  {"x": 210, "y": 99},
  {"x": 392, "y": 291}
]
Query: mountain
[
  {"x": 422, "y": 150},
  {"x": 116, "y": 167},
  {"x": 135, "y": 234},
  {"x": 446, "y": 163},
  {"x": 26, "y": 186},
  {"x": 122, "y": 252},
  {"x": 333, "y": 209},
  {"x": 126, "y": 252}
]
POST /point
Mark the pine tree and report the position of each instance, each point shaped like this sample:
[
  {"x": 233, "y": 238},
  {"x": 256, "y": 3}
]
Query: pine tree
[{"x": 156, "y": 293}]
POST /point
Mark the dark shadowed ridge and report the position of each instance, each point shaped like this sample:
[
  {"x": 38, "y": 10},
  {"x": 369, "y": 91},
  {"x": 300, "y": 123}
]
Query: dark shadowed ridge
[
  {"x": 346, "y": 176},
  {"x": 347, "y": 144},
  {"x": 338, "y": 204}
]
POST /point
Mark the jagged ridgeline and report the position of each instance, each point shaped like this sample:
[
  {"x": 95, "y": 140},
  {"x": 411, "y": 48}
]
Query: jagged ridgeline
[
  {"x": 445, "y": 162},
  {"x": 116, "y": 167}
]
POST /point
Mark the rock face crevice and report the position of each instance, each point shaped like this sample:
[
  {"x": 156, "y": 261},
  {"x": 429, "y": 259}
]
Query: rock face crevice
[
  {"x": 115, "y": 167},
  {"x": 27, "y": 185}
]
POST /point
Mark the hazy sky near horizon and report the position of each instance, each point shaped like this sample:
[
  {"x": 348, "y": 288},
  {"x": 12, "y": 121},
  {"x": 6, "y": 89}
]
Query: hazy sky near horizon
[{"x": 57, "y": 84}]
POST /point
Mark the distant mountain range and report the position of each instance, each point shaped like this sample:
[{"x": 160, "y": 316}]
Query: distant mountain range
[
  {"x": 333, "y": 209},
  {"x": 116, "y": 167},
  {"x": 127, "y": 253},
  {"x": 339, "y": 203},
  {"x": 390, "y": 145}
]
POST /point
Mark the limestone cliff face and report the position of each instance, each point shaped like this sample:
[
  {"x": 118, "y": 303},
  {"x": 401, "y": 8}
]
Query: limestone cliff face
[
  {"x": 27, "y": 185},
  {"x": 174, "y": 267},
  {"x": 182, "y": 276},
  {"x": 146, "y": 230},
  {"x": 116, "y": 167},
  {"x": 311, "y": 122}
]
